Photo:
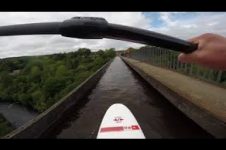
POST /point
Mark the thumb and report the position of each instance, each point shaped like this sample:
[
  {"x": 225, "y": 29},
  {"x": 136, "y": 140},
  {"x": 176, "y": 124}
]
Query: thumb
[
  {"x": 187, "y": 58},
  {"x": 192, "y": 57}
]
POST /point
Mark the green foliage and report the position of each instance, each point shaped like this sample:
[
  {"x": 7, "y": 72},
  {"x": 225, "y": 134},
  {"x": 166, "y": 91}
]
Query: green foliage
[
  {"x": 36, "y": 74},
  {"x": 53, "y": 86},
  {"x": 40, "y": 81},
  {"x": 110, "y": 53},
  {"x": 84, "y": 52}
]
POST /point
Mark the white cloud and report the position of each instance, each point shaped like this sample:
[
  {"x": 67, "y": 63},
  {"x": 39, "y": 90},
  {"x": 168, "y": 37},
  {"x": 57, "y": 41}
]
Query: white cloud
[
  {"x": 185, "y": 28},
  {"x": 165, "y": 16},
  {"x": 200, "y": 23},
  {"x": 47, "y": 44}
]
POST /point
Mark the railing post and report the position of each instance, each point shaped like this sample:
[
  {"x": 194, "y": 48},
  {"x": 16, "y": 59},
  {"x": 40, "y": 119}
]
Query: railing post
[
  {"x": 206, "y": 73},
  {"x": 211, "y": 74},
  {"x": 219, "y": 74},
  {"x": 191, "y": 69},
  {"x": 186, "y": 68},
  {"x": 152, "y": 55},
  {"x": 177, "y": 64},
  {"x": 161, "y": 59},
  {"x": 158, "y": 56},
  {"x": 171, "y": 60},
  {"x": 155, "y": 56},
  {"x": 165, "y": 57},
  {"x": 199, "y": 71}
]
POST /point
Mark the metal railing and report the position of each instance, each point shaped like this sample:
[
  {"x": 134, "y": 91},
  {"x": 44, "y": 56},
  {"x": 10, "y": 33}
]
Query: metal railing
[{"x": 166, "y": 58}]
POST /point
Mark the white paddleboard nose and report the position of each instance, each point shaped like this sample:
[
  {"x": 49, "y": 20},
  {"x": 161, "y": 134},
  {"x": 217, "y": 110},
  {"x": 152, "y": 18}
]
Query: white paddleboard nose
[{"x": 119, "y": 123}]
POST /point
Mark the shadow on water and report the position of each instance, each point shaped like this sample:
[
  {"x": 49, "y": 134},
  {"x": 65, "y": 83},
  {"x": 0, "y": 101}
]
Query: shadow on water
[{"x": 158, "y": 118}]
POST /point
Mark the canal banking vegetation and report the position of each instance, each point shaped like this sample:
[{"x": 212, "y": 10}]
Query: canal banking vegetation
[{"x": 40, "y": 81}]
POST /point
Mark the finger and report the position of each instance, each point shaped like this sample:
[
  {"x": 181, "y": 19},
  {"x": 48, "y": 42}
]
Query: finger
[
  {"x": 201, "y": 38},
  {"x": 199, "y": 41},
  {"x": 188, "y": 58}
]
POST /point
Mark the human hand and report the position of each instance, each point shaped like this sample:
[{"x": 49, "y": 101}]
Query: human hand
[{"x": 211, "y": 52}]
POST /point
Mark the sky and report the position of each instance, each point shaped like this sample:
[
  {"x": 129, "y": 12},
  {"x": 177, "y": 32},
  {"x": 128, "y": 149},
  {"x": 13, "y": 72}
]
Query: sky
[{"x": 182, "y": 25}]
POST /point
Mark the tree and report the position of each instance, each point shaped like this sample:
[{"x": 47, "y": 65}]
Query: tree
[
  {"x": 61, "y": 71},
  {"x": 53, "y": 86},
  {"x": 110, "y": 53},
  {"x": 33, "y": 62},
  {"x": 57, "y": 57},
  {"x": 72, "y": 63},
  {"x": 100, "y": 53},
  {"x": 35, "y": 74},
  {"x": 25, "y": 98},
  {"x": 38, "y": 99},
  {"x": 85, "y": 52},
  {"x": 5, "y": 79},
  {"x": 43, "y": 80}
]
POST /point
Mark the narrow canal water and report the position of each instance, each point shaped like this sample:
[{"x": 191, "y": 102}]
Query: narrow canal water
[{"x": 156, "y": 116}]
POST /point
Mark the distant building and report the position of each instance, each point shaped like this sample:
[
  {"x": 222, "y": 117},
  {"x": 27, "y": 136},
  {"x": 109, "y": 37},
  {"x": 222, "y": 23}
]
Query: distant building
[{"x": 120, "y": 53}]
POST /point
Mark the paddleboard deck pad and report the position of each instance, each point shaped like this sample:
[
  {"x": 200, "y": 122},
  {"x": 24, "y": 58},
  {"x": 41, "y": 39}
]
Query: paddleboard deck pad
[{"x": 119, "y": 123}]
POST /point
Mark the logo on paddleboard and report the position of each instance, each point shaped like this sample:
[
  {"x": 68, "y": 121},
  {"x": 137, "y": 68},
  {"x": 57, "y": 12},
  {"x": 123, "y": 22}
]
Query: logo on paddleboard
[
  {"x": 120, "y": 128},
  {"x": 118, "y": 119}
]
